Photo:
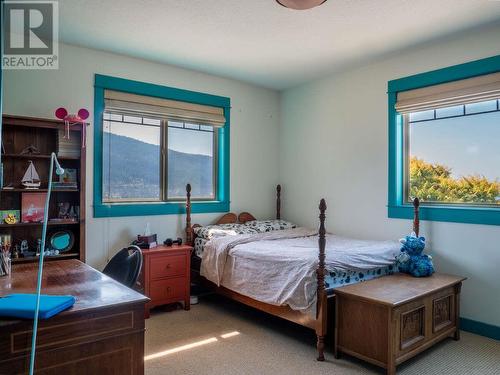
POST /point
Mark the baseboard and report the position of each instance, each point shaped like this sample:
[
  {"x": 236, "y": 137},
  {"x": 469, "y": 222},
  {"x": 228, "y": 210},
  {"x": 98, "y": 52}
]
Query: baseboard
[{"x": 483, "y": 329}]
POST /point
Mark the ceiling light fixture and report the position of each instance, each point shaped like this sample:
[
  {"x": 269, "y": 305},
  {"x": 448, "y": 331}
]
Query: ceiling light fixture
[{"x": 300, "y": 4}]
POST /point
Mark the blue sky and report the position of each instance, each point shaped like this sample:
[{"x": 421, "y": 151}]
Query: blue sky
[
  {"x": 188, "y": 141},
  {"x": 469, "y": 144}
]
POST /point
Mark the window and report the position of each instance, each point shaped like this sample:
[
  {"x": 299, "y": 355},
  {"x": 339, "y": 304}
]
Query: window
[
  {"x": 131, "y": 162},
  {"x": 191, "y": 159},
  {"x": 453, "y": 154},
  {"x": 152, "y": 145},
  {"x": 444, "y": 132},
  {"x": 134, "y": 169}
]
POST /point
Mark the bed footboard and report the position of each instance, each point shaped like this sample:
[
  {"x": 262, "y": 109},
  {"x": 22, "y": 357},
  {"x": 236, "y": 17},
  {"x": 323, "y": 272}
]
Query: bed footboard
[
  {"x": 189, "y": 228},
  {"x": 318, "y": 322},
  {"x": 321, "y": 308}
]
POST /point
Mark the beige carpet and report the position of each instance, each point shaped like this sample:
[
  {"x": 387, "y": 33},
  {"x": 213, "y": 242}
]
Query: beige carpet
[{"x": 222, "y": 337}]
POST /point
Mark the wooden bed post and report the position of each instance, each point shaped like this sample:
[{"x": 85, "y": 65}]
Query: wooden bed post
[
  {"x": 189, "y": 229},
  {"x": 321, "y": 310},
  {"x": 416, "y": 219},
  {"x": 278, "y": 202}
]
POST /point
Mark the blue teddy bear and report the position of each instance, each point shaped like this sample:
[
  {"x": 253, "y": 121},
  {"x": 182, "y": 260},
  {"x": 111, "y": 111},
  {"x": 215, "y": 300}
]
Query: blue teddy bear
[{"x": 411, "y": 260}]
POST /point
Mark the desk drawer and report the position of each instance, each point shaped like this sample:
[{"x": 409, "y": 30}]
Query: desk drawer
[
  {"x": 167, "y": 266},
  {"x": 52, "y": 333},
  {"x": 168, "y": 290}
]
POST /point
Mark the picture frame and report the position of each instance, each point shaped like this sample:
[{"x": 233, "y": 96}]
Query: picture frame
[
  {"x": 5, "y": 215},
  {"x": 70, "y": 176},
  {"x": 32, "y": 207}
]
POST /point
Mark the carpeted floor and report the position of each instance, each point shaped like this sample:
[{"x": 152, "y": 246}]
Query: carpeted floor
[{"x": 220, "y": 337}]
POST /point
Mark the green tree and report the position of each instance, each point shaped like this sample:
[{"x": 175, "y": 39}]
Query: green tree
[{"x": 434, "y": 183}]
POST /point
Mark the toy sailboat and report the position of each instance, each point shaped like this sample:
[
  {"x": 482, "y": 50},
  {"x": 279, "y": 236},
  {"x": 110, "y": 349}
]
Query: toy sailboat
[{"x": 31, "y": 179}]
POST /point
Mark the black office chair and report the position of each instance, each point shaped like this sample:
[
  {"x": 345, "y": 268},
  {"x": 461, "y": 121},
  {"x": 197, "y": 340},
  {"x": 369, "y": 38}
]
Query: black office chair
[{"x": 125, "y": 266}]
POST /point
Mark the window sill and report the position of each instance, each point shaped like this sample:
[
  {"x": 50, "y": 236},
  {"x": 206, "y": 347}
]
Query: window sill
[
  {"x": 470, "y": 215},
  {"x": 164, "y": 208}
]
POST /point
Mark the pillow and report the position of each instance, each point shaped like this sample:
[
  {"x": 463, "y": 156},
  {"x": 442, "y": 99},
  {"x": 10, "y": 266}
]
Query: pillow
[
  {"x": 220, "y": 230},
  {"x": 270, "y": 225},
  {"x": 199, "y": 244}
]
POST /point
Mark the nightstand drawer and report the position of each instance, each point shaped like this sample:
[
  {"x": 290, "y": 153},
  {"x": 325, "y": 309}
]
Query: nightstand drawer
[
  {"x": 168, "y": 266},
  {"x": 170, "y": 289},
  {"x": 166, "y": 275}
]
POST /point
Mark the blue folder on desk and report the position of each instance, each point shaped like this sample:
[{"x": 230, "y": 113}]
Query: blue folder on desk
[{"x": 23, "y": 305}]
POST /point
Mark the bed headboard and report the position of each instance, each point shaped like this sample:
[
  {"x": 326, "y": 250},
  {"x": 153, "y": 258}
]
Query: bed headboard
[
  {"x": 278, "y": 202},
  {"x": 228, "y": 218},
  {"x": 243, "y": 217}
]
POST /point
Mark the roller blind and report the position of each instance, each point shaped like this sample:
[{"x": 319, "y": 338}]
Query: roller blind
[
  {"x": 132, "y": 103},
  {"x": 465, "y": 91}
]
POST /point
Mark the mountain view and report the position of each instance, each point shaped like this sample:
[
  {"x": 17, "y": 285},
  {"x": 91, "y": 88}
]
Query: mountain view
[{"x": 133, "y": 170}]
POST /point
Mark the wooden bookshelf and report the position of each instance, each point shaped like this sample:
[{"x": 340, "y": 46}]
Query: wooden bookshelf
[
  {"x": 19, "y": 190},
  {"x": 38, "y": 156},
  {"x": 50, "y": 223},
  {"x": 19, "y": 132}
]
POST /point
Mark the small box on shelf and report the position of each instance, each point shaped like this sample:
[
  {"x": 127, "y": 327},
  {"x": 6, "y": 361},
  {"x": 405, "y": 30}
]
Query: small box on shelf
[{"x": 68, "y": 146}]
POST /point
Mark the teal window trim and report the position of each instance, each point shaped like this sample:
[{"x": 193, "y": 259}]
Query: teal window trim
[
  {"x": 221, "y": 204},
  {"x": 396, "y": 207}
]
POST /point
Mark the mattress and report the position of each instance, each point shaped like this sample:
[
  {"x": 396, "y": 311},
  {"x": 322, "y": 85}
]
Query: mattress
[
  {"x": 333, "y": 279},
  {"x": 280, "y": 268},
  {"x": 338, "y": 278}
]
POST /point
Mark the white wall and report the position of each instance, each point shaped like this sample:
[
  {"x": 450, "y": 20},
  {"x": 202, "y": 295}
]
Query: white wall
[
  {"x": 333, "y": 144},
  {"x": 327, "y": 148},
  {"x": 254, "y": 134}
]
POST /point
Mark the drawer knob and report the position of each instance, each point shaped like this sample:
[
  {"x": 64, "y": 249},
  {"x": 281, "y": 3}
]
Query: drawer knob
[
  {"x": 168, "y": 266},
  {"x": 168, "y": 289}
]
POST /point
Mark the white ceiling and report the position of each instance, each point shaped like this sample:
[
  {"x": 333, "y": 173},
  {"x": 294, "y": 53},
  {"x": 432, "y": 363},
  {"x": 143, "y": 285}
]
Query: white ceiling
[{"x": 261, "y": 42}]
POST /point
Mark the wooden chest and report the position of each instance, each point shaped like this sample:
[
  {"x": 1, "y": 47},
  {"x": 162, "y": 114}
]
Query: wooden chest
[
  {"x": 166, "y": 275},
  {"x": 391, "y": 319}
]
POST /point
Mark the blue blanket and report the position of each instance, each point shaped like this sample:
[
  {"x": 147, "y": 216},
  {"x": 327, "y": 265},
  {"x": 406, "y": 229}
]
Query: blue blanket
[{"x": 23, "y": 305}]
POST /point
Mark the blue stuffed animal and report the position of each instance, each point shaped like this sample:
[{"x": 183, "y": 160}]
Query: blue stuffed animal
[{"x": 411, "y": 260}]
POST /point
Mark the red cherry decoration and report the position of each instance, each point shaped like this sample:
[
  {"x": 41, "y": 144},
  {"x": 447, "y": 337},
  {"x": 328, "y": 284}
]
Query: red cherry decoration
[
  {"x": 83, "y": 113},
  {"x": 61, "y": 113}
]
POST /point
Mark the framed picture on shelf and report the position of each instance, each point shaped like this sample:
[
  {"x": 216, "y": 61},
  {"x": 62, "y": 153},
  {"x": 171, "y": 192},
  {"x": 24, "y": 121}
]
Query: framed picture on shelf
[
  {"x": 69, "y": 176},
  {"x": 32, "y": 207},
  {"x": 9, "y": 216}
]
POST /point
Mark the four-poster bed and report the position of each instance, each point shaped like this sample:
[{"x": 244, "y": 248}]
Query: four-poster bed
[{"x": 316, "y": 321}]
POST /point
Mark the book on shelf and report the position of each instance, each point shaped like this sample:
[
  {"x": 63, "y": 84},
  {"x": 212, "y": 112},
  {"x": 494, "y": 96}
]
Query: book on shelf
[
  {"x": 68, "y": 147},
  {"x": 64, "y": 185},
  {"x": 63, "y": 220}
]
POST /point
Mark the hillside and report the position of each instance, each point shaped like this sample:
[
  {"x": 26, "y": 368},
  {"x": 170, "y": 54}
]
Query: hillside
[{"x": 134, "y": 170}]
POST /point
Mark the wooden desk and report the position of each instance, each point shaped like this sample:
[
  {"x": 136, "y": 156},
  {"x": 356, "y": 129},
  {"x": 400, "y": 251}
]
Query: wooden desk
[
  {"x": 388, "y": 320},
  {"x": 103, "y": 333}
]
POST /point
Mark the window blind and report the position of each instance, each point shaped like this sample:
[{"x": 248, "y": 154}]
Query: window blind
[
  {"x": 465, "y": 91},
  {"x": 172, "y": 109}
]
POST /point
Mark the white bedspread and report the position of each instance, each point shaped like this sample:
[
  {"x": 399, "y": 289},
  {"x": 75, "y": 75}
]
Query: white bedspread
[{"x": 279, "y": 267}]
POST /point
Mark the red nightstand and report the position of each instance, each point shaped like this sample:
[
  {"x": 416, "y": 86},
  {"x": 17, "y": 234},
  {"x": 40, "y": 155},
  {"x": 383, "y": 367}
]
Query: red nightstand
[{"x": 166, "y": 275}]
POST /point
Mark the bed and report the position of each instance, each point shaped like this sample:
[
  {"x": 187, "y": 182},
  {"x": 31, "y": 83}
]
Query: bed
[{"x": 286, "y": 271}]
